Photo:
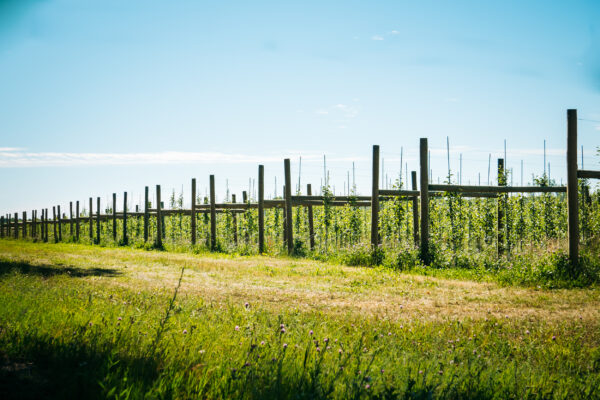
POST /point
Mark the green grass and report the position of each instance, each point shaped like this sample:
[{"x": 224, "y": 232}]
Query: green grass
[{"x": 86, "y": 322}]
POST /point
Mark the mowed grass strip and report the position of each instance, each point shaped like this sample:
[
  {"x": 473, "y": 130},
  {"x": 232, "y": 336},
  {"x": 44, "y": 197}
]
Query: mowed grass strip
[{"x": 78, "y": 320}]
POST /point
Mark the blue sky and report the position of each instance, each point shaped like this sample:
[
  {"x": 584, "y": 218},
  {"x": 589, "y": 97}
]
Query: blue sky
[{"x": 108, "y": 96}]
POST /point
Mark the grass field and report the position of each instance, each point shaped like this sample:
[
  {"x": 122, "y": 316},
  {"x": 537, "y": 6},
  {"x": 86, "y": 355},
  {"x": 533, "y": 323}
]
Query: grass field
[{"x": 90, "y": 322}]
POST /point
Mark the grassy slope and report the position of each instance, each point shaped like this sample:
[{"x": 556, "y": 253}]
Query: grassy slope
[{"x": 90, "y": 321}]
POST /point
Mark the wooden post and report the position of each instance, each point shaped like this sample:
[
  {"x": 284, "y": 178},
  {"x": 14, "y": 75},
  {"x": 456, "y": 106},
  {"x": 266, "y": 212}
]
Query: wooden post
[
  {"x": 288, "y": 207},
  {"x": 42, "y": 223},
  {"x": 415, "y": 207},
  {"x": 163, "y": 226},
  {"x": 213, "y": 215},
  {"x": 77, "y": 220},
  {"x": 501, "y": 208},
  {"x": 24, "y": 224},
  {"x": 125, "y": 238},
  {"x": 98, "y": 220},
  {"x": 234, "y": 217},
  {"x": 91, "y": 220},
  {"x": 375, "y": 199},
  {"x": 193, "y": 215},
  {"x": 2, "y": 227},
  {"x": 572, "y": 187},
  {"x": 59, "y": 224},
  {"x": 158, "y": 241},
  {"x": 424, "y": 173},
  {"x": 261, "y": 209},
  {"x": 46, "y": 229},
  {"x": 34, "y": 223},
  {"x": 284, "y": 219},
  {"x": 114, "y": 212},
  {"x": 245, "y": 200},
  {"x": 54, "y": 224},
  {"x": 311, "y": 226},
  {"x": 71, "y": 219},
  {"x": 146, "y": 215}
]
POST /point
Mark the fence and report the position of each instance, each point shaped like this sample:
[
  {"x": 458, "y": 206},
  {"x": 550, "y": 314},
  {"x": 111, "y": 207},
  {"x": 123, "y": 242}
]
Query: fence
[{"x": 34, "y": 228}]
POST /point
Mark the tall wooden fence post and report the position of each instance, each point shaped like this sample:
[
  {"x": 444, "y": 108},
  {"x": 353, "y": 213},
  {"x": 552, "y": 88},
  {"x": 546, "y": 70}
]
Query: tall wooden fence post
[
  {"x": 245, "y": 200},
  {"x": 125, "y": 237},
  {"x": 34, "y": 224},
  {"x": 234, "y": 217},
  {"x": 288, "y": 206},
  {"x": 311, "y": 222},
  {"x": 261, "y": 209},
  {"x": 501, "y": 208},
  {"x": 572, "y": 187},
  {"x": 415, "y": 208},
  {"x": 284, "y": 218},
  {"x": 1, "y": 226},
  {"x": 59, "y": 224},
  {"x": 46, "y": 223},
  {"x": 71, "y": 219},
  {"x": 158, "y": 241},
  {"x": 424, "y": 174},
  {"x": 146, "y": 214},
  {"x": 91, "y": 221},
  {"x": 98, "y": 220},
  {"x": 24, "y": 224},
  {"x": 77, "y": 220},
  {"x": 375, "y": 199},
  {"x": 114, "y": 217},
  {"x": 193, "y": 214},
  {"x": 213, "y": 214}
]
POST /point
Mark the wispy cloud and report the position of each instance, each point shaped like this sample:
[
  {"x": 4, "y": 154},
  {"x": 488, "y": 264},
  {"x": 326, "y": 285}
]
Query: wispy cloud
[
  {"x": 340, "y": 111},
  {"x": 22, "y": 159},
  {"x": 376, "y": 37},
  {"x": 382, "y": 36}
]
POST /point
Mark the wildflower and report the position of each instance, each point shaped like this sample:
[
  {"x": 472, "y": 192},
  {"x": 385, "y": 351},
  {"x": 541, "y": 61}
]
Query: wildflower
[
  {"x": 326, "y": 340},
  {"x": 282, "y": 326},
  {"x": 247, "y": 305},
  {"x": 91, "y": 323},
  {"x": 119, "y": 319},
  {"x": 202, "y": 351},
  {"x": 553, "y": 337},
  {"x": 318, "y": 349},
  {"x": 420, "y": 372},
  {"x": 527, "y": 332},
  {"x": 389, "y": 333},
  {"x": 285, "y": 345},
  {"x": 185, "y": 331},
  {"x": 282, "y": 330},
  {"x": 247, "y": 364},
  {"x": 440, "y": 372},
  {"x": 237, "y": 328},
  {"x": 340, "y": 351},
  {"x": 262, "y": 343},
  {"x": 310, "y": 332},
  {"x": 367, "y": 386},
  {"x": 382, "y": 370}
]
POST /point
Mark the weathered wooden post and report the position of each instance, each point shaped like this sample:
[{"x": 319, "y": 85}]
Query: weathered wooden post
[
  {"x": 163, "y": 226},
  {"x": 572, "y": 187},
  {"x": 16, "y": 226},
  {"x": 158, "y": 241},
  {"x": 1, "y": 226},
  {"x": 98, "y": 220},
  {"x": 424, "y": 173},
  {"x": 71, "y": 219},
  {"x": 34, "y": 224},
  {"x": 415, "y": 208},
  {"x": 125, "y": 237},
  {"x": 234, "y": 217},
  {"x": 91, "y": 221},
  {"x": 77, "y": 220},
  {"x": 311, "y": 226},
  {"x": 284, "y": 219},
  {"x": 54, "y": 224},
  {"x": 501, "y": 208},
  {"x": 375, "y": 199},
  {"x": 114, "y": 216},
  {"x": 24, "y": 224},
  {"x": 288, "y": 207},
  {"x": 193, "y": 215},
  {"x": 146, "y": 215},
  {"x": 261, "y": 209},
  {"x": 47, "y": 228},
  {"x": 59, "y": 224},
  {"x": 213, "y": 215}
]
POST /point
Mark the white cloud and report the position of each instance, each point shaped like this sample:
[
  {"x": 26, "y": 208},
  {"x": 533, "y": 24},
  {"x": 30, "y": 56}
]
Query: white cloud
[
  {"x": 376, "y": 37},
  {"x": 394, "y": 32},
  {"x": 18, "y": 159},
  {"x": 597, "y": 127},
  {"x": 322, "y": 112}
]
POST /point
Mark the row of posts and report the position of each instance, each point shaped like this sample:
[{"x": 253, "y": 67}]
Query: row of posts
[{"x": 420, "y": 220}]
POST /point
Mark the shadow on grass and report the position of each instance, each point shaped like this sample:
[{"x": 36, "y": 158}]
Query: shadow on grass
[
  {"x": 46, "y": 368},
  {"x": 47, "y": 271}
]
